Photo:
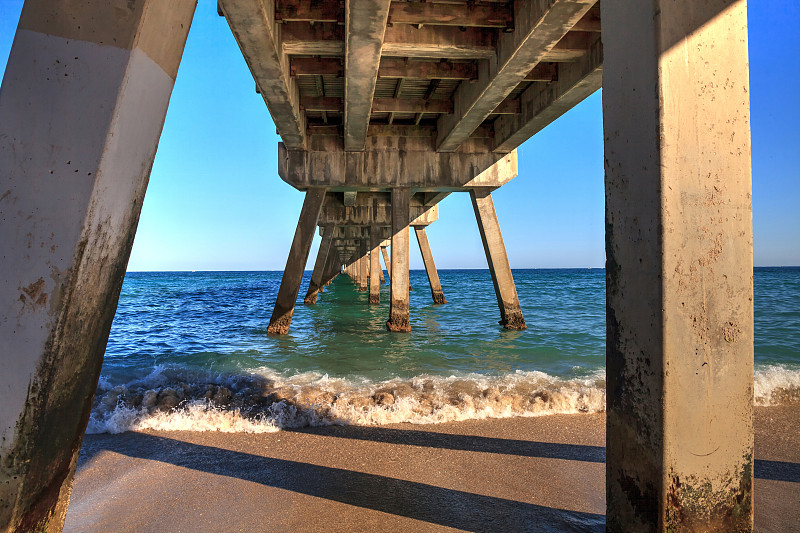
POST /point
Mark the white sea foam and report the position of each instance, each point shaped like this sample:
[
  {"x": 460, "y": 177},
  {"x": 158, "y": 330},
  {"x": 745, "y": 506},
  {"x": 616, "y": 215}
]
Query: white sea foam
[
  {"x": 777, "y": 384},
  {"x": 172, "y": 398}
]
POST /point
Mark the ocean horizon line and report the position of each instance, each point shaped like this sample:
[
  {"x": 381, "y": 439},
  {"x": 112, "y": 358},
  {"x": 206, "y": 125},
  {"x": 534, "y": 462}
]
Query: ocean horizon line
[{"x": 411, "y": 269}]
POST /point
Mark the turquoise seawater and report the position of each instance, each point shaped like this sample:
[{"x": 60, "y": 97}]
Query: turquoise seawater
[{"x": 190, "y": 350}]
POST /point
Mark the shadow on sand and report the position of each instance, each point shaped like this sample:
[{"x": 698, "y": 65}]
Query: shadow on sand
[{"x": 436, "y": 505}]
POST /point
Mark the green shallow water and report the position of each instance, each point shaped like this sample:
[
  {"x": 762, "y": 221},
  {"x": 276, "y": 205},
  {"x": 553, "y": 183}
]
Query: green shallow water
[
  {"x": 217, "y": 320},
  {"x": 189, "y": 350}
]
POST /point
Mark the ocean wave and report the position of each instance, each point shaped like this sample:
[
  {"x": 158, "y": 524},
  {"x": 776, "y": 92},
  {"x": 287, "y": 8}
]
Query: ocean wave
[
  {"x": 777, "y": 385},
  {"x": 172, "y": 398},
  {"x": 261, "y": 401}
]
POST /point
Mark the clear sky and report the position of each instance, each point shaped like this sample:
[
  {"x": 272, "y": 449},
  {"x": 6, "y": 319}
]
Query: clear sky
[{"x": 215, "y": 201}]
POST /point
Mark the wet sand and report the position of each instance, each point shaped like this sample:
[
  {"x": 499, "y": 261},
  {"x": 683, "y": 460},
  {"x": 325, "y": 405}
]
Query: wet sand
[{"x": 535, "y": 474}]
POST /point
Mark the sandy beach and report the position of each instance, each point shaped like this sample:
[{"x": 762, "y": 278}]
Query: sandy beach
[{"x": 544, "y": 474}]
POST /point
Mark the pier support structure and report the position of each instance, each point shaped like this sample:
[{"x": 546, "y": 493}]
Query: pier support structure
[
  {"x": 376, "y": 237},
  {"x": 398, "y": 303},
  {"x": 316, "y": 283},
  {"x": 82, "y": 105},
  {"x": 430, "y": 266},
  {"x": 386, "y": 260},
  {"x": 296, "y": 262},
  {"x": 363, "y": 265},
  {"x": 496, "y": 257},
  {"x": 679, "y": 266}
]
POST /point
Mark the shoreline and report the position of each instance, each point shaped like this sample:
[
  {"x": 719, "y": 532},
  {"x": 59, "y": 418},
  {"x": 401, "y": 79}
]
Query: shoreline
[{"x": 545, "y": 472}]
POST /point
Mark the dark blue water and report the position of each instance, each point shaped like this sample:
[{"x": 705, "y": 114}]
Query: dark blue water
[{"x": 193, "y": 332}]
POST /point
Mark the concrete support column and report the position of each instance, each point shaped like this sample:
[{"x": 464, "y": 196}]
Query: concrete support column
[
  {"x": 332, "y": 268},
  {"x": 430, "y": 266},
  {"x": 398, "y": 309},
  {"x": 679, "y": 268},
  {"x": 82, "y": 105},
  {"x": 296, "y": 262},
  {"x": 499, "y": 267},
  {"x": 316, "y": 283},
  {"x": 363, "y": 266},
  {"x": 387, "y": 262},
  {"x": 375, "y": 265}
]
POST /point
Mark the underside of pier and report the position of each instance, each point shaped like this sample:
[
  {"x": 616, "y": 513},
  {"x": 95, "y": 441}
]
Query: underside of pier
[{"x": 384, "y": 108}]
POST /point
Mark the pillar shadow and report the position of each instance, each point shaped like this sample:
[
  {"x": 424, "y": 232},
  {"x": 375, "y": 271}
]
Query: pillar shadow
[
  {"x": 431, "y": 439},
  {"x": 764, "y": 469},
  {"x": 777, "y": 470},
  {"x": 420, "y": 501}
]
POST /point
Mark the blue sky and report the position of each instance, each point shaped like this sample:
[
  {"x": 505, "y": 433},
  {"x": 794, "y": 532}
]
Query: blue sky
[{"x": 215, "y": 201}]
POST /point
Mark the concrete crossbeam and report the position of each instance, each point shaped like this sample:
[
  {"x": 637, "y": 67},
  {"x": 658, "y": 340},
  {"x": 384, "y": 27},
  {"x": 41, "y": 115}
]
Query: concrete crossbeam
[
  {"x": 253, "y": 25},
  {"x": 538, "y": 28},
  {"x": 401, "y": 40},
  {"x": 372, "y": 209},
  {"x": 415, "y": 165},
  {"x": 83, "y": 101},
  {"x": 541, "y": 104},
  {"x": 365, "y": 24},
  {"x": 679, "y": 274}
]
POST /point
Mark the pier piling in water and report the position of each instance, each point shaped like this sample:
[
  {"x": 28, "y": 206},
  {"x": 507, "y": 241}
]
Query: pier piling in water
[
  {"x": 499, "y": 267},
  {"x": 430, "y": 266}
]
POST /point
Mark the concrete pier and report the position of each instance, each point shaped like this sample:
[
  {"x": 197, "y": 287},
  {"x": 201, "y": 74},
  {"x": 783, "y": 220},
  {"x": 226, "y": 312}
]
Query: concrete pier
[
  {"x": 398, "y": 308},
  {"x": 375, "y": 265},
  {"x": 82, "y": 105},
  {"x": 430, "y": 267},
  {"x": 679, "y": 266},
  {"x": 316, "y": 283},
  {"x": 296, "y": 262},
  {"x": 387, "y": 261},
  {"x": 496, "y": 257},
  {"x": 363, "y": 266},
  {"x": 383, "y": 110}
]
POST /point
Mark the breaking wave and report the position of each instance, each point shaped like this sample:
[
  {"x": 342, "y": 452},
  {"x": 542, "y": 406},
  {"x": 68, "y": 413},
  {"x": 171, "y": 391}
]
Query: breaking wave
[
  {"x": 264, "y": 401},
  {"x": 173, "y": 399}
]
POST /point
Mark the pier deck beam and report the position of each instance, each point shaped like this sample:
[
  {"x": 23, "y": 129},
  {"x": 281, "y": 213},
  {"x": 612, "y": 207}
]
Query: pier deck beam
[
  {"x": 375, "y": 265},
  {"x": 430, "y": 266},
  {"x": 398, "y": 308},
  {"x": 496, "y": 257},
  {"x": 679, "y": 266},
  {"x": 316, "y": 283},
  {"x": 296, "y": 262},
  {"x": 83, "y": 102}
]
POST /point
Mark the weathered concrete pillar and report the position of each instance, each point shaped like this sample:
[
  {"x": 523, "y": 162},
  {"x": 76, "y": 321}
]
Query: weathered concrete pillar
[
  {"x": 398, "y": 308},
  {"x": 375, "y": 265},
  {"x": 363, "y": 266},
  {"x": 296, "y": 262},
  {"x": 380, "y": 270},
  {"x": 387, "y": 262},
  {"x": 499, "y": 267},
  {"x": 430, "y": 266},
  {"x": 316, "y": 283},
  {"x": 82, "y": 106},
  {"x": 678, "y": 266},
  {"x": 332, "y": 268}
]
